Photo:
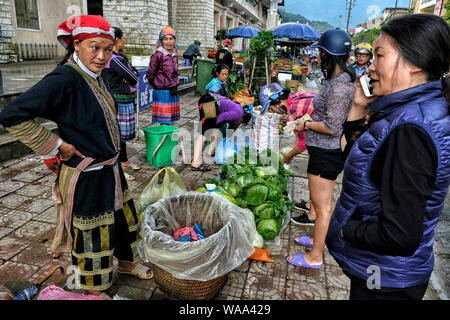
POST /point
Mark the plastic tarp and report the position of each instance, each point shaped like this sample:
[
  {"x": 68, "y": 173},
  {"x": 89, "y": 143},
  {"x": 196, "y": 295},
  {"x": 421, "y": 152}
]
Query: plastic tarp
[{"x": 229, "y": 230}]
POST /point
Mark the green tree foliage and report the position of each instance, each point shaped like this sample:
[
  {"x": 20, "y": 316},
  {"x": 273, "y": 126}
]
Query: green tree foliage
[
  {"x": 292, "y": 17},
  {"x": 368, "y": 36},
  {"x": 447, "y": 13},
  {"x": 220, "y": 37}
]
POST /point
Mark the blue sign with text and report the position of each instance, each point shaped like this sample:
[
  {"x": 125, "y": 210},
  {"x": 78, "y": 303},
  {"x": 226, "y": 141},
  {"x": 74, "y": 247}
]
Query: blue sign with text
[
  {"x": 1, "y": 34},
  {"x": 145, "y": 91}
]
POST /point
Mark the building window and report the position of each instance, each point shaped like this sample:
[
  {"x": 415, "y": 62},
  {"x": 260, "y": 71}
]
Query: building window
[
  {"x": 95, "y": 7},
  {"x": 425, "y": 2},
  {"x": 27, "y": 14}
]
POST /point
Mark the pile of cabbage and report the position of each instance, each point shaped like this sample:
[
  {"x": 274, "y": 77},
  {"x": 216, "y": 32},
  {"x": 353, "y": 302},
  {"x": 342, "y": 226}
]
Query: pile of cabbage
[{"x": 260, "y": 187}]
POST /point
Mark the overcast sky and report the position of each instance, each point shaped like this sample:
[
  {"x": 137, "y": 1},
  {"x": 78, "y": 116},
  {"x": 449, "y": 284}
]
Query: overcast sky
[{"x": 330, "y": 10}]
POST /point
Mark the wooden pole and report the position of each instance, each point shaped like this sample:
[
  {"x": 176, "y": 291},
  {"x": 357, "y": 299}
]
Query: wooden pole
[
  {"x": 253, "y": 71},
  {"x": 267, "y": 72}
]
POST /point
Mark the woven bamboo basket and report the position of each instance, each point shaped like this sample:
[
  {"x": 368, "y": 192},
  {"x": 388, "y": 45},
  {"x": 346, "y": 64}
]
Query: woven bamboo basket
[{"x": 188, "y": 289}]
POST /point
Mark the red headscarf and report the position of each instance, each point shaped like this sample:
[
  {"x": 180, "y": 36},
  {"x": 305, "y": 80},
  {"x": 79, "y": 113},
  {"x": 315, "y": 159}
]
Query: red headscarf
[
  {"x": 227, "y": 43},
  {"x": 84, "y": 27}
]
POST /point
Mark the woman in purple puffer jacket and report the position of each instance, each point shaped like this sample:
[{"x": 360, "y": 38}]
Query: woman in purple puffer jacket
[{"x": 162, "y": 74}]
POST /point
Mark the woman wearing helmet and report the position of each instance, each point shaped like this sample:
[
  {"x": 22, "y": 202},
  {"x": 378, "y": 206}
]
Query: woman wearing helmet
[
  {"x": 331, "y": 107},
  {"x": 363, "y": 54}
]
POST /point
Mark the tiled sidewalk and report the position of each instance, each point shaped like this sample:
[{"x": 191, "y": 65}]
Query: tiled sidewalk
[{"x": 28, "y": 218}]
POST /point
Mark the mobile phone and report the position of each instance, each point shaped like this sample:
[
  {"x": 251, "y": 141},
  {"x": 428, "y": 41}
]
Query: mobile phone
[{"x": 367, "y": 87}]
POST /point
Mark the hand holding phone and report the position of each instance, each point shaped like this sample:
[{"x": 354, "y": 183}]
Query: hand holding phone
[{"x": 367, "y": 87}]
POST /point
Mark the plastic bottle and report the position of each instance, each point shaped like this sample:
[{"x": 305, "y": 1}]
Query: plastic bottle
[{"x": 28, "y": 293}]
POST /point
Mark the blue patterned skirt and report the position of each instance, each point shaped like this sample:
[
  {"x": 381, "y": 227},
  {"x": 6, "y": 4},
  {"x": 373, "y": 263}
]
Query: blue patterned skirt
[
  {"x": 165, "y": 107},
  {"x": 125, "y": 116}
]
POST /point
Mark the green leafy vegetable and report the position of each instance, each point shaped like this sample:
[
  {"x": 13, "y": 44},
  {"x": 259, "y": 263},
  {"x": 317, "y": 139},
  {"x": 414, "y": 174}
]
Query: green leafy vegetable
[
  {"x": 265, "y": 210},
  {"x": 241, "y": 203},
  {"x": 257, "y": 185},
  {"x": 232, "y": 188},
  {"x": 268, "y": 228},
  {"x": 273, "y": 195},
  {"x": 256, "y": 194},
  {"x": 212, "y": 181},
  {"x": 265, "y": 171}
]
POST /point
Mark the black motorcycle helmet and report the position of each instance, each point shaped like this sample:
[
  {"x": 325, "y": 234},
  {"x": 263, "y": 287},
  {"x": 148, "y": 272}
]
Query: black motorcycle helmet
[{"x": 336, "y": 42}]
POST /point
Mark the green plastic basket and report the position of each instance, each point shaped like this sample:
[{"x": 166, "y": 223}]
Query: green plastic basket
[{"x": 159, "y": 151}]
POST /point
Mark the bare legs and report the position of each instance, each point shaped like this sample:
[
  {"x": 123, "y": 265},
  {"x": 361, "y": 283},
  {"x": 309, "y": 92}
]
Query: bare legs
[
  {"x": 199, "y": 145},
  {"x": 322, "y": 197}
]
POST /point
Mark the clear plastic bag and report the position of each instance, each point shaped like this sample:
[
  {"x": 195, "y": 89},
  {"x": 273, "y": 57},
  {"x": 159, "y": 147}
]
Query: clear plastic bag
[
  {"x": 229, "y": 230},
  {"x": 171, "y": 185}
]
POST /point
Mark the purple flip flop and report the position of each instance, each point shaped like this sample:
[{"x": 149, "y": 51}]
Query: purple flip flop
[
  {"x": 299, "y": 261},
  {"x": 304, "y": 241}
]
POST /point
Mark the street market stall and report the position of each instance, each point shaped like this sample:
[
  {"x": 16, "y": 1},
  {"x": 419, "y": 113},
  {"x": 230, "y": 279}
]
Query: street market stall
[{"x": 293, "y": 36}]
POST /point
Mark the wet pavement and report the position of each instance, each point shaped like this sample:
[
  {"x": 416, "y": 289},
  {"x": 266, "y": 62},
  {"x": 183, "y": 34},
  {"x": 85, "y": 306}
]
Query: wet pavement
[
  {"x": 18, "y": 77},
  {"x": 28, "y": 218}
]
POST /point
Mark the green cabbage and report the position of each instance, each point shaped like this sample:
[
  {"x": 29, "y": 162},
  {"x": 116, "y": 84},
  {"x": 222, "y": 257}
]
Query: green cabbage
[
  {"x": 232, "y": 188},
  {"x": 241, "y": 203},
  {"x": 274, "y": 195},
  {"x": 265, "y": 171},
  {"x": 265, "y": 210},
  {"x": 256, "y": 194},
  {"x": 244, "y": 179},
  {"x": 268, "y": 229}
]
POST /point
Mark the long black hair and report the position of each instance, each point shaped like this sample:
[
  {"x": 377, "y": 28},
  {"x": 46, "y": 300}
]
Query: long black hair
[
  {"x": 329, "y": 62},
  {"x": 424, "y": 41}
]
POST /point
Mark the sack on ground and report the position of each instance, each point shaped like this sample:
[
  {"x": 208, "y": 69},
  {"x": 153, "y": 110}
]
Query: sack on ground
[{"x": 265, "y": 130}]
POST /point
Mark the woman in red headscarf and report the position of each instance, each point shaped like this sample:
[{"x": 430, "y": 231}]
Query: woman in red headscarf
[
  {"x": 96, "y": 215},
  {"x": 224, "y": 55}
]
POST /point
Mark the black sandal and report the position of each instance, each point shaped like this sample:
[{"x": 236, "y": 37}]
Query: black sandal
[
  {"x": 202, "y": 168},
  {"x": 301, "y": 206}
]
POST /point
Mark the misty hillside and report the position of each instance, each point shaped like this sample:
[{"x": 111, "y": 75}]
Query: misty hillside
[{"x": 293, "y": 17}]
